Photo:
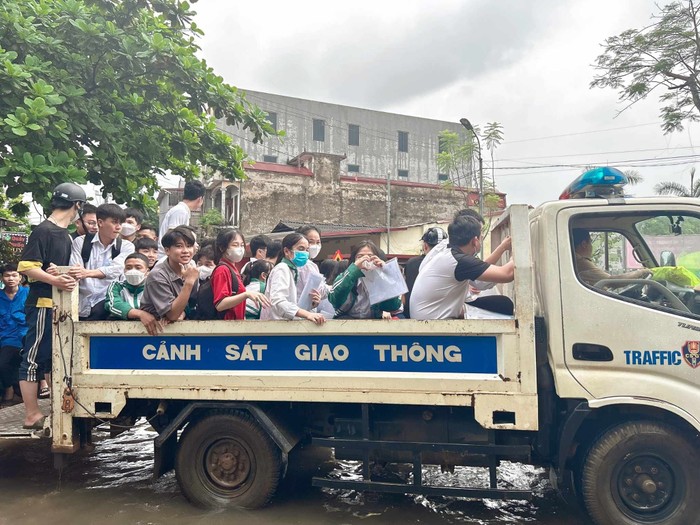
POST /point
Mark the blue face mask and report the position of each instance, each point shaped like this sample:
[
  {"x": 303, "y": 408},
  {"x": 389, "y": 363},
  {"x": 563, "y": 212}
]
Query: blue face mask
[{"x": 300, "y": 258}]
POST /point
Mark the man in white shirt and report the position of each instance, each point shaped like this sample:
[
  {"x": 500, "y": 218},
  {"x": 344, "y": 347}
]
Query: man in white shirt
[
  {"x": 192, "y": 200},
  {"x": 443, "y": 281},
  {"x": 104, "y": 264},
  {"x": 477, "y": 289}
]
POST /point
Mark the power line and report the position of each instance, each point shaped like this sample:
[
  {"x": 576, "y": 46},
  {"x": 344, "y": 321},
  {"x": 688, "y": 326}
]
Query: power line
[
  {"x": 630, "y": 163},
  {"x": 596, "y": 153},
  {"x": 627, "y": 162},
  {"x": 392, "y": 136},
  {"x": 584, "y": 132}
]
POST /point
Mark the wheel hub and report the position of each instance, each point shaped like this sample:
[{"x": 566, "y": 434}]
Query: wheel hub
[
  {"x": 228, "y": 463},
  {"x": 645, "y": 484}
]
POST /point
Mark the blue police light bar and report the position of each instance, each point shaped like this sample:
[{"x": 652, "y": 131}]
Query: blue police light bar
[{"x": 598, "y": 182}]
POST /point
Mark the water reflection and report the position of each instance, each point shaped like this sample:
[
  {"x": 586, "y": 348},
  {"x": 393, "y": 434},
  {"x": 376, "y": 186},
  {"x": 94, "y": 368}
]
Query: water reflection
[{"x": 113, "y": 485}]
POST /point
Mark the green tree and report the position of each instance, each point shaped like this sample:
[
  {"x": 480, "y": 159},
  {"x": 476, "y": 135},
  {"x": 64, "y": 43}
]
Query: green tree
[
  {"x": 7, "y": 252},
  {"x": 111, "y": 92},
  {"x": 210, "y": 221},
  {"x": 456, "y": 158},
  {"x": 663, "y": 55},
  {"x": 493, "y": 136},
  {"x": 14, "y": 210},
  {"x": 678, "y": 190}
]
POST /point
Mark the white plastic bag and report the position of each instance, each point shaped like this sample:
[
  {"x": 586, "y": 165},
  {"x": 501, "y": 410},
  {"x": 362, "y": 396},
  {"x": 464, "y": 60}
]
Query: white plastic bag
[
  {"x": 385, "y": 283},
  {"x": 313, "y": 283}
]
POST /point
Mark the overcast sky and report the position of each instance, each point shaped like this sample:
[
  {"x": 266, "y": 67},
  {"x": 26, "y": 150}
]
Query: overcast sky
[{"x": 525, "y": 64}]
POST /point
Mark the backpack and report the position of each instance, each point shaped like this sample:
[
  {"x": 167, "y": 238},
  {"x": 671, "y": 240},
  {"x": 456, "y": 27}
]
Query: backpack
[
  {"x": 87, "y": 247},
  {"x": 206, "y": 311}
]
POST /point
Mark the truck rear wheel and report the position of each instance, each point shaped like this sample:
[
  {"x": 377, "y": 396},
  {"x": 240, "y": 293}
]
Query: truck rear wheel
[
  {"x": 641, "y": 473},
  {"x": 227, "y": 460}
]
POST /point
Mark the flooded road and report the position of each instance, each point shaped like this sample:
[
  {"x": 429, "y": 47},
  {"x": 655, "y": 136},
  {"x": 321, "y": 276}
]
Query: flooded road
[{"x": 113, "y": 485}]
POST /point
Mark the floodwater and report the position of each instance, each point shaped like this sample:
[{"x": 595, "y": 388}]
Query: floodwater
[{"x": 113, "y": 485}]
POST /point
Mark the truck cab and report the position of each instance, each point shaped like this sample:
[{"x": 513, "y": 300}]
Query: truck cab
[{"x": 623, "y": 352}]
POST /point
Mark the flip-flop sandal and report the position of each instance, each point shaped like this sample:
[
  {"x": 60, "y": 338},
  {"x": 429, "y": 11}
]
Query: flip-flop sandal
[
  {"x": 45, "y": 393},
  {"x": 37, "y": 425}
]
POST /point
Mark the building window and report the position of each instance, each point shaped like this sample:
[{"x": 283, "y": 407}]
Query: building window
[
  {"x": 403, "y": 174},
  {"x": 442, "y": 147},
  {"x": 353, "y": 135},
  {"x": 270, "y": 158},
  {"x": 272, "y": 118},
  {"x": 353, "y": 168},
  {"x": 319, "y": 130},
  {"x": 403, "y": 141},
  {"x": 443, "y": 178}
]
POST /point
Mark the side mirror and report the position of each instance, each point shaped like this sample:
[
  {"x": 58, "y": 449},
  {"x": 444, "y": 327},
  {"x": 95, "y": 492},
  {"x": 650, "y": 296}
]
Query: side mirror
[{"x": 667, "y": 258}]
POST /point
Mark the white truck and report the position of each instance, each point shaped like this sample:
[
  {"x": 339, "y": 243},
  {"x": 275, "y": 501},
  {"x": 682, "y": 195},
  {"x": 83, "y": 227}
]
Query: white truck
[{"x": 597, "y": 381}]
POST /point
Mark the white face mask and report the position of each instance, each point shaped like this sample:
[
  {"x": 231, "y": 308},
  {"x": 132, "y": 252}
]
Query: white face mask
[
  {"x": 235, "y": 254},
  {"x": 314, "y": 250},
  {"x": 134, "y": 277},
  {"x": 205, "y": 272},
  {"x": 127, "y": 229}
]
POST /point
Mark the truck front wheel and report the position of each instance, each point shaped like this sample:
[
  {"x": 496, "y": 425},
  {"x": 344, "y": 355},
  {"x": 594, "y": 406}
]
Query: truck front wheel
[
  {"x": 227, "y": 459},
  {"x": 642, "y": 473}
]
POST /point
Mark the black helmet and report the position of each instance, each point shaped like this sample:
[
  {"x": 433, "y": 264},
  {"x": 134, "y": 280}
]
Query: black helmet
[
  {"x": 69, "y": 191},
  {"x": 434, "y": 236}
]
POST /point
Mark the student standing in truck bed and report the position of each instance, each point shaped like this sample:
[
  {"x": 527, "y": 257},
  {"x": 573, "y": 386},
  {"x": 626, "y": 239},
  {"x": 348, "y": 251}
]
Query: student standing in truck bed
[
  {"x": 49, "y": 245},
  {"x": 179, "y": 215}
]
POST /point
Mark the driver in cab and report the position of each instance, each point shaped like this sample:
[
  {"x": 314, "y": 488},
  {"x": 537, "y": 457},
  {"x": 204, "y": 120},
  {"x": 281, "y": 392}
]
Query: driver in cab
[{"x": 587, "y": 270}]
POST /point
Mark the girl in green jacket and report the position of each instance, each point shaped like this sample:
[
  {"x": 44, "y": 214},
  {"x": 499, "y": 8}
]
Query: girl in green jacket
[{"x": 349, "y": 295}]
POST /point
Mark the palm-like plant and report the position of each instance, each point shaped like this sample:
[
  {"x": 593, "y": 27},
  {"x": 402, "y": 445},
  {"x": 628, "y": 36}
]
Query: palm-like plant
[
  {"x": 633, "y": 177},
  {"x": 677, "y": 189},
  {"x": 493, "y": 136}
]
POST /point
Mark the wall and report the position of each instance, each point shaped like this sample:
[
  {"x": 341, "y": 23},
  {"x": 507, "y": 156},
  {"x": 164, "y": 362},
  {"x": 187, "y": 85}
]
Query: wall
[
  {"x": 315, "y": 192},
  {"x": 377, "y": 153}
]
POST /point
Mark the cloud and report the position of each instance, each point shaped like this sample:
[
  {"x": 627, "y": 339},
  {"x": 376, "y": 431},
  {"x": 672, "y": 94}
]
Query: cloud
[
  {"x": 376, "y": 63},
  {"x": 374, "y": 55},
  {"x": 525, "y": 64}
]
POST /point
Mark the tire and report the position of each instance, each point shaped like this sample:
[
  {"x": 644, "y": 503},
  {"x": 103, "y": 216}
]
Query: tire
[
  {"x": 227, "y": 460},
  {"x": 642, "y": 473}
]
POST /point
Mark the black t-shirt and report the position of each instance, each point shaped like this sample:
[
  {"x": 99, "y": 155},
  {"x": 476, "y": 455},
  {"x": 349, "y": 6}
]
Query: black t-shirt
[
  {"x": 468, "y": 267},
  {"x": 410, "y": 272},
  {"x": 47, "y": 244}
]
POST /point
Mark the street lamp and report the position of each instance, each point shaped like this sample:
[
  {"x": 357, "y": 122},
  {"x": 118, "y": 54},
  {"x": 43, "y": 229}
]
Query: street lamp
[{"x": 468, "y": 126}]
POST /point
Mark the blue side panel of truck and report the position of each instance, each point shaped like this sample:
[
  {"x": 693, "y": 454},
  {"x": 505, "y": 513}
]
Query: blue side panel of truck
[{"x": 362, "y": 353}]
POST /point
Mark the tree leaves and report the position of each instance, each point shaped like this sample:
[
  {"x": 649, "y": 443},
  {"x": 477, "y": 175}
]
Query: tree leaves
[
  {"x": 113, "y": 93},
  {"x": 663, "y": 55}
]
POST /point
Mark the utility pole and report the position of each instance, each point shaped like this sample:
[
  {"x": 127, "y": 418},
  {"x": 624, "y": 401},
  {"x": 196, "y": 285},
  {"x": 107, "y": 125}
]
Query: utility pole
[
  {"x": 388, "y": 212},
  {"x": 468, "y": 126}
]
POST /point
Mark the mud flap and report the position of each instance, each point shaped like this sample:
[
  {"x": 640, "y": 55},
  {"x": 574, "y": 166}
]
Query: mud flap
[{"x": 164, "y": 455}]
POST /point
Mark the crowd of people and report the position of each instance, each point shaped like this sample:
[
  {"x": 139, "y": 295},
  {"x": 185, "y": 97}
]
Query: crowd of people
[{"x": 128, "y": 270}]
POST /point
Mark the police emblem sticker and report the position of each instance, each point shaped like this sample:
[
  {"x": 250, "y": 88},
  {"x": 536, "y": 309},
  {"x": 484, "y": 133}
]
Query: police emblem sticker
[{"x": 691, "y": 353}]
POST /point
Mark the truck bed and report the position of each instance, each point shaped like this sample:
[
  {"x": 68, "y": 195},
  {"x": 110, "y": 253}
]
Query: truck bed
[{"x": 486, "y": 364}]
